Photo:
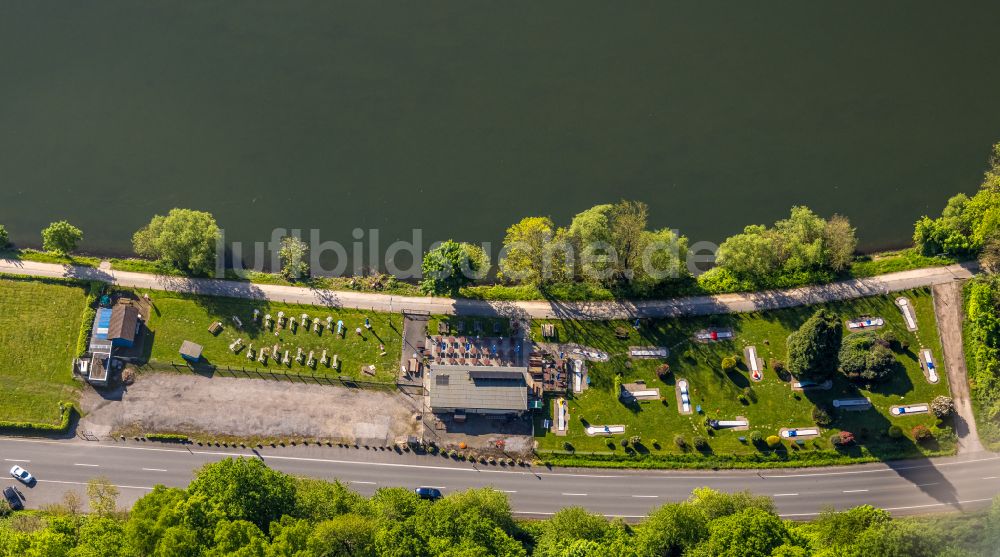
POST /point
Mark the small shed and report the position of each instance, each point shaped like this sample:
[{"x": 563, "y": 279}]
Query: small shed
[
  {"x": 123, "y": 327},
  {"x": 191, "y": 352}
]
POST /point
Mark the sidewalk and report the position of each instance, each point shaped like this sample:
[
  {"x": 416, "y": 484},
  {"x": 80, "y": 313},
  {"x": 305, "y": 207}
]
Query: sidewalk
[{"x": 699, "y": 305}]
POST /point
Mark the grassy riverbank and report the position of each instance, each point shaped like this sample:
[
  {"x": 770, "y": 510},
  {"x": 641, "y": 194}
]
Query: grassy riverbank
[{"x": 768, "y": 405}]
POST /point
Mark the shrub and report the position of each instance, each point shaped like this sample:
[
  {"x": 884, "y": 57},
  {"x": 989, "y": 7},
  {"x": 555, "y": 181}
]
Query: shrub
[
  {"x": 773, "y": 441},
  {"x": 700, "y": 443},
  {"x": 863, "y": 357},
  {"x": 895, "y": 432},
  {"x": 778, "y": 366},
  {"x": 842, "y": 439},
  {"x": 728, "y": 363},
  {"x": 821, "y": 416},
  {"x": 4, "y": 237},
  {"x": 756, "y": 436},
  {"x": 624, "y": 443},
  {"x": 655, "y": 443},
  {"x": 568, "y": 446},
  {"x": 680, "y": 441},
  {"x": 635, "y": 440},
  {"x": 611, "y": 444},
  {"x": 663, "y": 371},
  {"x": 922, "y": 434},
  {"x": 621, "y": 332},
  {"x": 942, "y": 406}
]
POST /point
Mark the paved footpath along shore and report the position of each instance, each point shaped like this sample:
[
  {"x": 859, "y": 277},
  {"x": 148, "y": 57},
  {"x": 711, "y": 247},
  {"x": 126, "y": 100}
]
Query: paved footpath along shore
[{"x": 696, "y": 305}]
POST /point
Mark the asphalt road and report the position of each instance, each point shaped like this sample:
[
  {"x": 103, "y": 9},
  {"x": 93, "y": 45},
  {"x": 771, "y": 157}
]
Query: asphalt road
[
  {"x": 905, "y": 487},
  {"x": 699, "y": 305}
]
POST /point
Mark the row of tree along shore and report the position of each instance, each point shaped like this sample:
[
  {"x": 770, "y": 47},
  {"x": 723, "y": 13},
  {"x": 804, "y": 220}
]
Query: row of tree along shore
[{"x": 609, "y": 251}]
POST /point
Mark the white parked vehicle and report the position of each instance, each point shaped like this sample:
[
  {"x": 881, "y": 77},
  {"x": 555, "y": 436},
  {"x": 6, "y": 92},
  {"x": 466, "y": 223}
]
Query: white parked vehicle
[{"x": 22, "y": 475}]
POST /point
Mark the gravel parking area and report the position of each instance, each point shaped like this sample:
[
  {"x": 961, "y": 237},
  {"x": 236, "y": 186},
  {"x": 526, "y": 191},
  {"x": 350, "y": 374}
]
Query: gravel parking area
[{"x": 249, "y": 408}]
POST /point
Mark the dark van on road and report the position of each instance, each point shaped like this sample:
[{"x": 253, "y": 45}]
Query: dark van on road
[
  {"x": 429, "y": 493},
  {"x": 13, "y": 499}
]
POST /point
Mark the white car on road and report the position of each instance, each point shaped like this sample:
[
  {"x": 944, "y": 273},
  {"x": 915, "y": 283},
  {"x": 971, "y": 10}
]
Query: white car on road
[{"x": 22, "y": 475}]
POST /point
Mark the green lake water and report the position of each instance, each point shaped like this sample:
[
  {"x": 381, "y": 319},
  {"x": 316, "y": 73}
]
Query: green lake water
[{"x": 461, "y": 117}]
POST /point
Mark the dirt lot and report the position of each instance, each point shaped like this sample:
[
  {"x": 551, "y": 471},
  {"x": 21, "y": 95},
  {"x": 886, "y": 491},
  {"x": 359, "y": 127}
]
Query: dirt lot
[{"x": 249, "y": 408}]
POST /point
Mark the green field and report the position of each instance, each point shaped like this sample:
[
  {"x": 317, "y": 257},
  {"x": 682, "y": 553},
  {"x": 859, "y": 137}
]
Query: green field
[
  {"x": 39, "y": 326},
  {"x": 176, "y": 318},
  {"x": 771, "y": 405}
]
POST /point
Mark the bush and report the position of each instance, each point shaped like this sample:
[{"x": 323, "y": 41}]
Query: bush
[
  {"x": 728, "y": 363},
  {"x": 863, "y": 357},
  {"x": 821, "y": 416},
  {"x": 624, "y": 443},
  {"x": 663, "y": 371},
  {"x": 635, "y": 440},
  {"x": 773, "y": 441},
  {"x": 700, "y": 443},
  {"x": 756, "y": 436},
  {"x": 922, "y": 434},
  {"x": 942, "y": 406},
  {"x": 842, "y": 439},
  {"x": 895, "y": 432},
  {"x": 568, "y": 446},
  {"x": 4, "y": 238},
  {"x": 680, "y": 441},
  {"x": 778, "y": 366}
]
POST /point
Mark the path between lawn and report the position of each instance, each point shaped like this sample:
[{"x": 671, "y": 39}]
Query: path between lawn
[
  {"x": 948, "y": 309},
  {"x": 624, "y": 309}
]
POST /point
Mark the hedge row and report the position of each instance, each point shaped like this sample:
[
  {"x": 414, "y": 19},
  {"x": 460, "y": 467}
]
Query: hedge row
[
  {"x": 66, "y": 411},
  {"x": 168, "y": 437},
  {"x": 94, "y": 290}
]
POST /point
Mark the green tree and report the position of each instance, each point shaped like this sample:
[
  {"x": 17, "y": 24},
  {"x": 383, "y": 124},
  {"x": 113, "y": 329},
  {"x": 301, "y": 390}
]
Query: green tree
[
  {"x": 862, "y": 357},
  {"x": 451, "y": 266},
  {"x": 101, "y": 537},
  {"x": 755, "y": 252},
  {"x": 4, "y": 237},
  {"x": 61, "y": 237},
  {"x": 318, "y": 500},
  {"x": 671, "y": 530},
  {"x": 102, "y": 496},
  {"x": 751, "y": 532},
  {"x": 184, "y": 239},
  {"x": 628, "y": 225},
  {"x": 834, "y": 529},
  {"x": 567, "y": 526},
  {"x": 347, "y": 535},
  {"x": 246, "y": 489},
  {"x": 839, "y": 242},
  {"x": 524, "y": 251},
  {"x": 293, "y": 253},
  {"x": 238, "y": 538},
  {"x": 813, "y": 348},
  {"x": 715, "y": 504}
]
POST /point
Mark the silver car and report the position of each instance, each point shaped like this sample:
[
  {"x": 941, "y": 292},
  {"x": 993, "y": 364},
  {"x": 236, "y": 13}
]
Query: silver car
[{"x": 22, "y": 475}]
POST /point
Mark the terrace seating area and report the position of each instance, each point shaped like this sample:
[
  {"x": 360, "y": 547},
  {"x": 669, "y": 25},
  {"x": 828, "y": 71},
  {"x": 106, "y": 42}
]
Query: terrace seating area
[
  {"x": 548, "y": 375},
  {"x": 473, "y": 351}
]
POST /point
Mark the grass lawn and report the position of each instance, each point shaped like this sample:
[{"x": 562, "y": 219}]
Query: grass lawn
[
  {"x": 39, "y": 326},
  {"x": 772, "y": 403},
  {"x": 178, "y": 317}
]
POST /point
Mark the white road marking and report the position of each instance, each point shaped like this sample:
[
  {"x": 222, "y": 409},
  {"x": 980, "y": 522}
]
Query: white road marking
[
  {"x": 785, "y": 495},
  {"x": 885, "y": 470},
  {"x": 154, "y": 470},
  {"x": 361, "y": 482},
  {"x": 855, "y": 490},
  {"x": 575, "y": 494},
  {"x": 927, "y": 484},
  {"x": 91, "y": 465},
  {"x": 990, "y": 477},
  {"x": 435, "y": 486},
  {"x": 15, "y": 460},
  {"x": 85, "y": 483},
  {"x": 645, "y": 496},
  {"x": 508, "y": 491}
]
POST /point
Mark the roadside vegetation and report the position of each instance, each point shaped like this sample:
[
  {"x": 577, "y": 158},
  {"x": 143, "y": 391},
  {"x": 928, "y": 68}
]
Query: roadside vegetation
[
  {"x": 178, "y": 317},
  {"x": 794, "y": 344},
  {"x": 40, "y": 322},
  {"x": 982, "y": 354},
  {"x": 242, "y": 507}
]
